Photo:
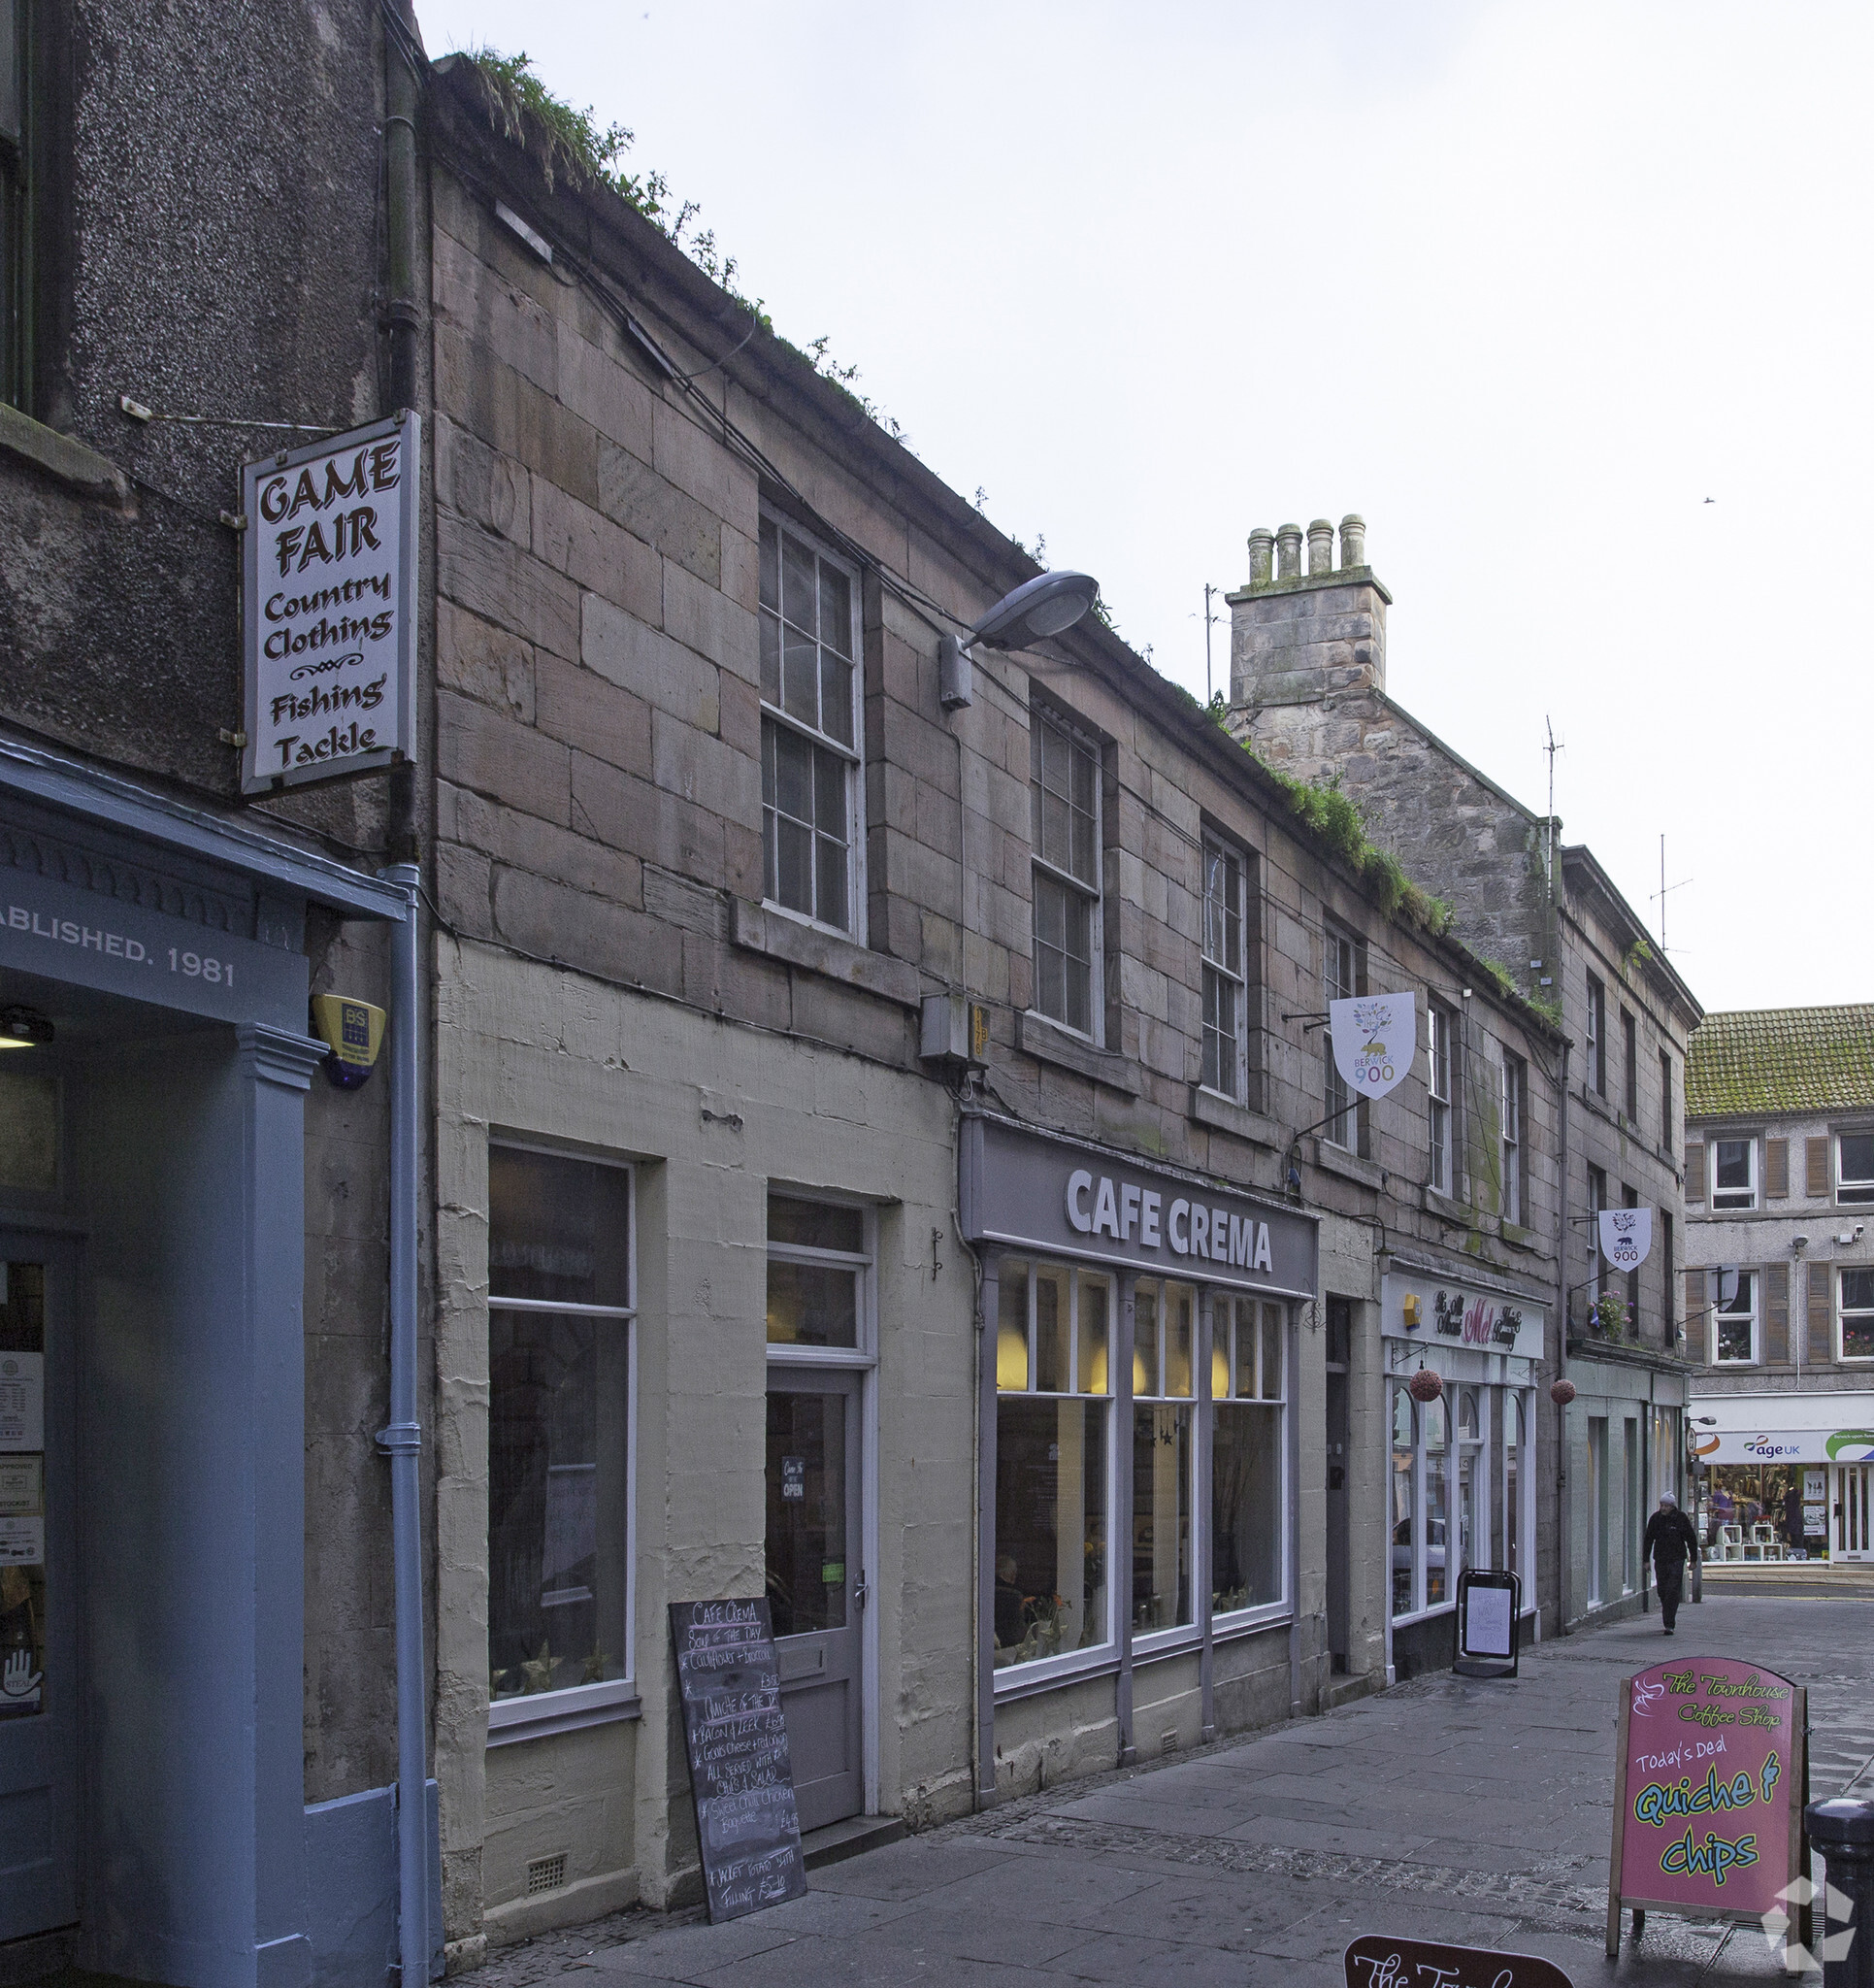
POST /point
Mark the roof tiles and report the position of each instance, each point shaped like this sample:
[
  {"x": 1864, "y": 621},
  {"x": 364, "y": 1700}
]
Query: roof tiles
[{"x": 1762, "y": 1060}]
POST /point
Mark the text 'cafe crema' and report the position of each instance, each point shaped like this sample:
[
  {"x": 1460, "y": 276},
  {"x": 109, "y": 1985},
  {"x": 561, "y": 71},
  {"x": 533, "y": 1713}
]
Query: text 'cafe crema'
[{"x": 1138, "y": 1460}]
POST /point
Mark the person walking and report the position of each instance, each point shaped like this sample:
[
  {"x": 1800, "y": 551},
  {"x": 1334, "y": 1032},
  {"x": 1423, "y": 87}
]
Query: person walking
[{"x": 1669, "y": 1539}]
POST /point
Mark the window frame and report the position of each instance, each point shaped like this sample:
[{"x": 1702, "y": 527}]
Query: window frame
[
  {"x": 1234, "y": 979},
  {"x": 1173, "y": 1635},
  {"x": 777, "y": 717},
  {"x": 1597, "y": 1033},
  {"x": 1752, "y": 1192},
  {"x": 863, "y": 1260},
  {"x": 542, "y": 1714},
  {"x": 1667, "y": 1143},
  {"x": 1630, "y": 1065},
  {"x": 1440, "y": 1154},
  {"x": 19, "y": 175},
  {"x": 1512, "y": 1103},
  {"x": 1254, "y": 1614},
  {"x": 1754, "y": 1313},
  {"x": 1856, "y": 1191},
  {"x": 1078, "y": 740},
  {"x": 1341, "y": 1105},
  {"x": 1839, "y": 1274}
]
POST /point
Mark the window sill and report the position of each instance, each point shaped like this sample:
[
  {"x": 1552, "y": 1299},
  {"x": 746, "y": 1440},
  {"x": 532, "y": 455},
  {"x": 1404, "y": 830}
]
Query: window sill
[
  {"x": 513, "y": 1719},
  {"x": 1448, "y": 1209},
  {"x": 66, "y": 461},
  {"x": 1428, "y": 1614},
  {"x": 1024, "y": 1680},
  {"x": 779, "y": 935},
  {"x": 1518, "y": 1237},
  {"x": 1224, "y": 1115},
  {"x": 1336, "y": 1159},
  {"x": 1184, "y": 1639},
  {"x": 1248, "y": 1622},
  {"x": 1049, "y": 1042}
]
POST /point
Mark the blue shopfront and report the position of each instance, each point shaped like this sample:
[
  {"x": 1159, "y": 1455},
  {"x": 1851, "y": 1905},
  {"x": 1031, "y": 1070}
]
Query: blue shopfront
[{"x": 153, "y": 992}]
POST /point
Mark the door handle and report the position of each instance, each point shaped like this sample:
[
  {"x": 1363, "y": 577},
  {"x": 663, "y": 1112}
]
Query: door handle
[{"x": 860, "y": 1590}]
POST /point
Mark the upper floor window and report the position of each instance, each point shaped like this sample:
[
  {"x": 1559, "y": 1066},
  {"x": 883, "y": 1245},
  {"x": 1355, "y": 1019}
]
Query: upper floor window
[
  {"x": 1668, "y": 1132},
  {"x": 1437, "y": 1092},
  {"x": 1734, "y": 1172},
  {"x": 809, "y": 756},
  {"x": 1735, "y": 1324},
  {"x": 16, "y": 99},
  {"x": 1858, "y": 1315},
  {"x": 1064, "y": 803},
  {"x": 1339, "y": 982},
  {"x": 1514, "y": 1077},
  {"x": 1631, "y": 1072},
  {"x": 1854, "y": 1168},
  {"x": 1225, "y": 1007},
  {"x": 1598, "y": 1035}
]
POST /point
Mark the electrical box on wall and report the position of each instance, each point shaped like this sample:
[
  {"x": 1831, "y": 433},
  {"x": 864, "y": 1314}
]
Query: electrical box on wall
[{"x": 955, "y": 1030}]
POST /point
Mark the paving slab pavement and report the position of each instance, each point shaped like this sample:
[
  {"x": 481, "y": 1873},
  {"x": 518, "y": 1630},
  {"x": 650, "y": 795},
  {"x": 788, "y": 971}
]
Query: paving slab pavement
[{"x": 1446, "y": 1809}]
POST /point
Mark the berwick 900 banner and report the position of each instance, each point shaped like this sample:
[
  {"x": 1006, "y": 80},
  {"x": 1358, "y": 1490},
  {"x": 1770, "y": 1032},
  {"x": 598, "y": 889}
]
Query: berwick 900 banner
[{"x": 329, "y": 605}]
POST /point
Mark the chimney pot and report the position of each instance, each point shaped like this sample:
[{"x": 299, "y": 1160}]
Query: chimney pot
[
  {"x": 1320, "y": 546},
  {"x": 1352, "y": 540},
  {"x": 1288, "y": 553},
  {"x": 1261, "y": 554}
]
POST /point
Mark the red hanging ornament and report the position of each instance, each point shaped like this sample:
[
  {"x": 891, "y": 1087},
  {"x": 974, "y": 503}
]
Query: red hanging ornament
[
  {"x": 1425, "y": 1385},
  {"x": 1562, "y": 1392}
]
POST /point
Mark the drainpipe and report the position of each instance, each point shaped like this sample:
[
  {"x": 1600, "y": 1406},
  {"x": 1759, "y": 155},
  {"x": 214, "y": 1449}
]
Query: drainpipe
[
  {"x": 400, "y": 204},
  {"x": 402, "y": 1440},
  {"x": 1561, "y": 1354}
]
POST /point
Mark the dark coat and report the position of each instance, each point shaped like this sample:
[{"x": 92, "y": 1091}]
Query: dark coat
[{"x": 1670, "y": 1539}]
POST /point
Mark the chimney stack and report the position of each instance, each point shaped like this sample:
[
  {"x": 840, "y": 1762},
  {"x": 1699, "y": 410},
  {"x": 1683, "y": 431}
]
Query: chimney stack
[{"x": 1299, "y": 638}]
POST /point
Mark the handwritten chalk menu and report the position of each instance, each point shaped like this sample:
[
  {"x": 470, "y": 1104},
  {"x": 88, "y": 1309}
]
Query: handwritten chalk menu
[
  {"x": 1375, "y": 1960},
  {"x": 1707, "y": 1791},
  {"x": 739, "y": 1773}
]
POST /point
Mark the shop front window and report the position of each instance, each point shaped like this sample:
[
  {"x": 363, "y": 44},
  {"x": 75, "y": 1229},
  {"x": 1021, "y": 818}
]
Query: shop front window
[
  {"x": 1433, "y": 1438},
  {"x": 1405, "y": 1502},
  {"x": 560, "y": 1310},
  {"x": 1053, "y": 1407},
  {"x": 1469, "y": 1480},
  {"x": 1246, "y": 1449},
  {"x": 1513, "y": 1482},
  {"x": 1163, "y": 1428}
]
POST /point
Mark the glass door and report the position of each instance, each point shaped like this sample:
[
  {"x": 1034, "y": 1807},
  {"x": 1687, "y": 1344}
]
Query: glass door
[
  {"x": 816, "y": 1585},
  {"x": 38, "y": 1599},
  {"x": 1854, "y": 1529}
]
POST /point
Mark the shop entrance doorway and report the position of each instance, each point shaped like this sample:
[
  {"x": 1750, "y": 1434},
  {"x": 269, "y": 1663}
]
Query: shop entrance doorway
[
  {"x": 37, "y": 1591},
  {"x": 1339, "y": 1356},
  {"x": 816, "y": 1586},
  {"x": 1853, "y": 1526}
]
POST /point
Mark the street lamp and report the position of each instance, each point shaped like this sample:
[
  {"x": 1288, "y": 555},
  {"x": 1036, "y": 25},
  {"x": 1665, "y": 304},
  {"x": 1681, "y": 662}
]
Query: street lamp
[{"x": 1039, "y": 607}]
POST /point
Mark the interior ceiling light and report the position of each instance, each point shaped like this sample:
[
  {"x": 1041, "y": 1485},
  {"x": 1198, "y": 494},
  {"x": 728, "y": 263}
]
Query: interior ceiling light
[
  {"x": 1039, "y": 607},
  {"x": 23, "y": 1028}
]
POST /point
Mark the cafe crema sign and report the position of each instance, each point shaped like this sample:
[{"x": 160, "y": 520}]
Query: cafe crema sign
[
  {"x": 328, "y": 608},
  {"x": 1027, "y": 1191}
]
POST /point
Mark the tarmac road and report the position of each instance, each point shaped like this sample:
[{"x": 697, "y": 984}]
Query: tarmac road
[{"x": 1446, "y": 1809}]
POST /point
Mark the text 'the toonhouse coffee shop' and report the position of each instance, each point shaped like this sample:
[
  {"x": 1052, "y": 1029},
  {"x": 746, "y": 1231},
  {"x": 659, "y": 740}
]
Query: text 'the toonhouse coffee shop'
[{"x": 1138, "y": 1563}]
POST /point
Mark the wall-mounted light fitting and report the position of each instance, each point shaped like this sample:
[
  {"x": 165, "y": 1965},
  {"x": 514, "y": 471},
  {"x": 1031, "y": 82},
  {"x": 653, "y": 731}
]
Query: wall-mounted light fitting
[
  {"x": 1039, "y": 607},
  {"x": 24, "y": 1028}
]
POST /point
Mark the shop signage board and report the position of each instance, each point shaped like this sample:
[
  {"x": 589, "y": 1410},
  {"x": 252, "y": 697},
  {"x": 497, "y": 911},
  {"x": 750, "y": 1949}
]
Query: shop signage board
[
  {"x": 740, "y": 1774},
  {"x": 1375, "y": 1960},
  {"x": 328, "y": 605},
  {"x": 1708, "y": 1792},
  {"x": 1434, "y": 1311},
  {"x": 1374, "y": 1037},
  {"x": 1626, "y": 1236},
  {"x": 1490, "y": 1601},
  {"x": 1053, "y": 1196},
  {"x": 93, "y": 940}
]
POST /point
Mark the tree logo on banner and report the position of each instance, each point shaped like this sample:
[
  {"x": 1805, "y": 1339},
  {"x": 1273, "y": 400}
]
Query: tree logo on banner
[
  {"x": 1626, "y": 1236},
  {"x": 1374, "y": 1039}
]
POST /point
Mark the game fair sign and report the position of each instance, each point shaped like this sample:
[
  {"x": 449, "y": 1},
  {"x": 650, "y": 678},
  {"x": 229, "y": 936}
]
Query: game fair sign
[
  {"x": 1707, "y": 1792},
  {"x": 328, "y": 608}
]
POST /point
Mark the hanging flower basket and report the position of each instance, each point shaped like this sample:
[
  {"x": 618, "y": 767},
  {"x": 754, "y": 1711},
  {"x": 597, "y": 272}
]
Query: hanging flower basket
[
  {"x": 1425, "y": 1385},
  {"x": 1562, "y": 1392}
]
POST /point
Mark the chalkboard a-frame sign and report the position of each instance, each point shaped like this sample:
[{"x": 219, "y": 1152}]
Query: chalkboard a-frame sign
[{"x": 736, "y": 1735}]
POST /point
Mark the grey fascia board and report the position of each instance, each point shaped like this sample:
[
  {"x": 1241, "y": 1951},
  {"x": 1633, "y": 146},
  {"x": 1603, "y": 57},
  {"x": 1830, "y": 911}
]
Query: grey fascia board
[{"x": 93, "y": 795}]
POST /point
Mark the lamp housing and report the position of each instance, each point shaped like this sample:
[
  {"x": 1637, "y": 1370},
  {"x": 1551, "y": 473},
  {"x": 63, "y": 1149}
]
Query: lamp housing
[
  {"x": 24, "y": 1028},
  {"x": 1039, "y": 607}
]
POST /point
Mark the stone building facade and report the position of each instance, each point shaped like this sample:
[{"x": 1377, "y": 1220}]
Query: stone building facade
[
  {"x": 1780, "y": 1279},
  {"x": 956, "y": 1070},
  {"x": 1308, "y": 692}
]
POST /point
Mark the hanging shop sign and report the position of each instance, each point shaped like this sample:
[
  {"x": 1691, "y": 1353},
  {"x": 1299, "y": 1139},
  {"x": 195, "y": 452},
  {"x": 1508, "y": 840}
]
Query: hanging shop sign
[
  {"x": 740, "y": 1772},
  {"x": 1626, "y": 1236},
  {"x": 1028, "y": 1191},
  {"x": 1436, "y": 1312},
  {"x": 1707, "y": 1792},
  {"x": 328, "y": 608},
  {"x": 1375, "y": 1036}
]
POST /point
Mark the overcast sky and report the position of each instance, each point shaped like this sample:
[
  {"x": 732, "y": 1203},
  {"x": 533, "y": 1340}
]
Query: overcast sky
[{"x": 1524, "y": 285}]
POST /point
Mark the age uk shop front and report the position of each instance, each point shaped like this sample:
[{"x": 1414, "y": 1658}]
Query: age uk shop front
[{"x": 1138, "y": 1453}]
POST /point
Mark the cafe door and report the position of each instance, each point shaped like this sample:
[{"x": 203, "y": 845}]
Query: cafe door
[
  {"x": 1853, "y": 1526},
  {"x": 37, "y": 1598},
  {"x": 816, "y": 1587}
]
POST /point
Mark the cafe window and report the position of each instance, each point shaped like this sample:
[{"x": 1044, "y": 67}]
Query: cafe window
[
  {"x": 1247, "y": 1508},
  {"x": 1733, "y": 1324},
  {"x": 560, "y": 1310},
  {"x": 1164, "y": 1454},
  {"x": 1053, "y": 1415},
  {"x": 817, "y": 1262}
]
